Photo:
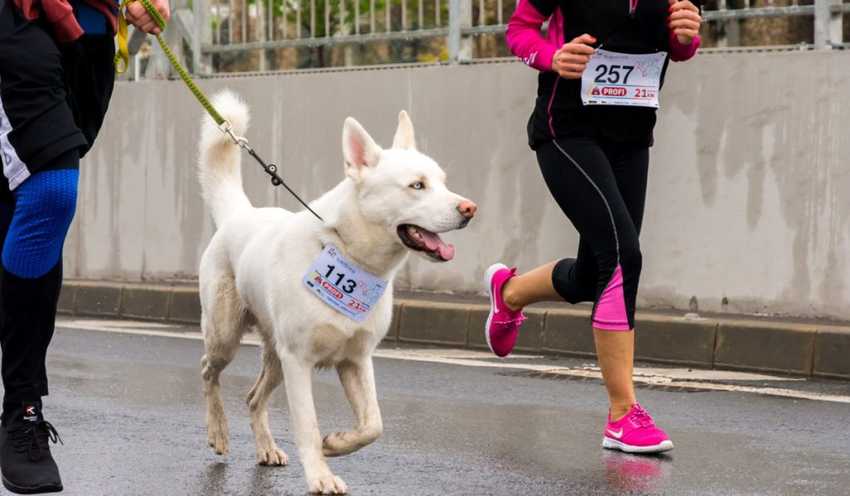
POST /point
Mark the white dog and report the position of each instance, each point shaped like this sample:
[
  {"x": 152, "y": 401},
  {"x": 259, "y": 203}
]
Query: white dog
[{"x": 319, "y": 294}]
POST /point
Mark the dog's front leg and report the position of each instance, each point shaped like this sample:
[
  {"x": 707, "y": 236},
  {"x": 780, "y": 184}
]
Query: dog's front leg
[
  {"x": 302, "y": 410},
  {"x": 358, "y": 380}
]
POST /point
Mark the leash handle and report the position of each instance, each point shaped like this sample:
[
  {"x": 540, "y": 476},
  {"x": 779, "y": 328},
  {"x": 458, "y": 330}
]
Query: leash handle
[{"x": 122, "y": 61}]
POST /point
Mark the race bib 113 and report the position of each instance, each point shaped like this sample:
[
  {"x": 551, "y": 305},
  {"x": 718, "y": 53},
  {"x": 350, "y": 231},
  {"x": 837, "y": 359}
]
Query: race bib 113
[
  {"x": 613, "y": 78},
  {"x": 342, "y": 285}
]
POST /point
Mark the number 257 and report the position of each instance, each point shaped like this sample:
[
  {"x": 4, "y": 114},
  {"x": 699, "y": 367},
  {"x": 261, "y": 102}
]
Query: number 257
[{"x": 612, "y": 74}]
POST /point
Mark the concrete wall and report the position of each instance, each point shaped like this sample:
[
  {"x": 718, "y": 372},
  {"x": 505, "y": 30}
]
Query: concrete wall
[{"x": 749, "y": 195}]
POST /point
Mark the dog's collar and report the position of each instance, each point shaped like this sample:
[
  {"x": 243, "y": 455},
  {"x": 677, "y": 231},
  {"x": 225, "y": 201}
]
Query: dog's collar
[
  {"x": 336, "y": 234},
  {"x": 332, "y": 236}
]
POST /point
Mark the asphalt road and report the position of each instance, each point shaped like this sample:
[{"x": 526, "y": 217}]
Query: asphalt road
[{"x": 130, "y": 411}]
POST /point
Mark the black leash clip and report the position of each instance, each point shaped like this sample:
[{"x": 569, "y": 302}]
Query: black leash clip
[
  {"x": 270, "y": 169},
  {"x": 276, "y": 181}
]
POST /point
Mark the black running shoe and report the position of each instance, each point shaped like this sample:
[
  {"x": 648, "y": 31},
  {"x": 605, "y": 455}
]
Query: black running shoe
[{"x": 25, "y": 459}]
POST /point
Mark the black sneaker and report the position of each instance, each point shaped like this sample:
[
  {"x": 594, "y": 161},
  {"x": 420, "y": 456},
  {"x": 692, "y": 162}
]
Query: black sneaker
[{"x": 25, "y": 459}]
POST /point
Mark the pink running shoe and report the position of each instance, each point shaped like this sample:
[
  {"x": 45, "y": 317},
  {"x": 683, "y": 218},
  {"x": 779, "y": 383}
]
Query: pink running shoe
[
  {"x": 635, "y": 433},
  {"x": 503, "y": 324}
]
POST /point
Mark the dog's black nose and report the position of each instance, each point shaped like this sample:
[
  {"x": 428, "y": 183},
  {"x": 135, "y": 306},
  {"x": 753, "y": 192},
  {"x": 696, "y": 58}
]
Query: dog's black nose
[{"x": 467, "y": 209}]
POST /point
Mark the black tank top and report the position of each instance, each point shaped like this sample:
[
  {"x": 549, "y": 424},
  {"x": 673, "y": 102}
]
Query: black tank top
[{"x": 558, "y": 110}]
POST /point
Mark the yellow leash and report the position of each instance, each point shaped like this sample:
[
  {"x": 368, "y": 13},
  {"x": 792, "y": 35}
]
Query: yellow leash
[{"x": 122, "y": 58}]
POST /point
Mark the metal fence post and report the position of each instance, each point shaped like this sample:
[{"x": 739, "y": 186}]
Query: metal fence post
[
  {"x": 460, "y": 17},
  {"x": 202, "y": 35},
  {"x": 731, "y": 32},
  {"x": 827, "y": 24},
  {"x": 836, "y": 25}
]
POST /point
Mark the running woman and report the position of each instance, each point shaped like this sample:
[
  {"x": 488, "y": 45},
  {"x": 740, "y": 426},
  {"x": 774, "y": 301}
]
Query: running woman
[
  {"x": 591, "y": 129},
  {"x": 56, "y": 78}
]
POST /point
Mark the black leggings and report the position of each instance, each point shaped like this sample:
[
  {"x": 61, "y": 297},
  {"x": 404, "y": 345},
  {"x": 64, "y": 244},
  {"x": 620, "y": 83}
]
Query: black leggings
[{"x": 601, "y": 187}]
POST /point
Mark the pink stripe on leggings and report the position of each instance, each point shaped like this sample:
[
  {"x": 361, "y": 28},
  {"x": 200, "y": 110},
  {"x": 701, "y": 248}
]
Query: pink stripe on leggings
[{"x": 610, "y": 312}]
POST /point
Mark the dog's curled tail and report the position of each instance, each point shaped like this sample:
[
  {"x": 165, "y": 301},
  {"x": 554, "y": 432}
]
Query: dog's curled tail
[{"x": 220, "y": 160}]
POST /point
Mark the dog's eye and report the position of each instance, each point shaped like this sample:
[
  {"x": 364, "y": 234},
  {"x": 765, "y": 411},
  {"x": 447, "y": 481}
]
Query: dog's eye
[{"x": 418, "y": 185}]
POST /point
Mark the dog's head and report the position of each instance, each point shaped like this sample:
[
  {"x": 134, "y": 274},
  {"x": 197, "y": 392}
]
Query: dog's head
[{"x": 404, "y": 190}]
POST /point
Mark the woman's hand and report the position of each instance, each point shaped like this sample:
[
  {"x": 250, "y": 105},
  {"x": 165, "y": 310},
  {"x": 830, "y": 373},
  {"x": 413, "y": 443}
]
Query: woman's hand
[
  {"x": 684, "y": 21},
  {"x": 139, "y": 17},
  {"x": 572, "y": 58}
]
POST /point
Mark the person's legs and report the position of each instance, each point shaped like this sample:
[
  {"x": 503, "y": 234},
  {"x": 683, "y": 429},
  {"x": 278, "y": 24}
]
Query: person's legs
[
  {"x": 29, "y": 291},
  {"x": 601, "y": 189},
  {"x": 582, "y": 180},
  {"x": 615, "y": 350},
  {"x": 52, "y": 103},
  {"x": 532, "y": 287},
  {"x": 32, "y": 277},
  {"x": 629, "y": 428},
  {"x": 579, "y": 277},
  {"x": 537, "y": 286}
]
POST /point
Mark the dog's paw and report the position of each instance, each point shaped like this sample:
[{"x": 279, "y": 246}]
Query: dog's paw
[
  {"x": 336, "y": 444},
  {"x": 219, "y": 444},
  {"x": 217, "y": 438},
  {"x": 273, "y": 456},
  {"x": 327, "y": 484},
  {"x": 344, "y": 443}
]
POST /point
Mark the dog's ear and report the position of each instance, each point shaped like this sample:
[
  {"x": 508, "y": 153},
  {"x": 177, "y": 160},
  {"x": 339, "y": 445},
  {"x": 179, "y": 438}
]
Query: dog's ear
[
  {"x": 404, "y": 137},
  {"x": 358, "y": 148}
]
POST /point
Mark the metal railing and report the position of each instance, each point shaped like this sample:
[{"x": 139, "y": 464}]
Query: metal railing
[
  {"x": 245, "y": 25},
  {"x": 826, "y": 15},
  {"x": 247, "y": 34}
]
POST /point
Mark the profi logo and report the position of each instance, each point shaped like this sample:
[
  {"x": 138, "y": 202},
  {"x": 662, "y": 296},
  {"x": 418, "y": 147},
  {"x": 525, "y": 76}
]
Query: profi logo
[
  {"x": 332, "y": 290},
  {"x": 614, "y": 91}
]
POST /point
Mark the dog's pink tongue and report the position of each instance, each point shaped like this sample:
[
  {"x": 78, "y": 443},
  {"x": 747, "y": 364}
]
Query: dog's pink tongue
[
  {"x": 434, "y": 243},
  {"x": 447, "y": 252}
]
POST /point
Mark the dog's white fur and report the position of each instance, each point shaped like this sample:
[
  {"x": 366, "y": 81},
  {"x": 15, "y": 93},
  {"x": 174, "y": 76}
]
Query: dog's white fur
[{"x": 251, "y": 278}]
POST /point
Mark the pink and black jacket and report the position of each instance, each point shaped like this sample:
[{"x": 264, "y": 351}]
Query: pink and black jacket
[{"x": 628, "y": 26}]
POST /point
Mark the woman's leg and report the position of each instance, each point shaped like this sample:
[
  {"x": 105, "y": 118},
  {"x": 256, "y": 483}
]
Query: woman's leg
[
  {"x": 573, "y": 280},
  {"x": 532, "y": 287},
  {"x": 616, "y": 350},
  {"x": 576, "y": 278},
  {"x": 602, "y": 191},
  {"x": 582, "y": 180},
  {"x": 630, "y": 428},
  {"x": 536, "y": 285}
]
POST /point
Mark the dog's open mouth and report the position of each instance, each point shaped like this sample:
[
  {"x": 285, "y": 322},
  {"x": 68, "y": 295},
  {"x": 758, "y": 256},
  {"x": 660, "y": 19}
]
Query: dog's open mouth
[{"x": 419, "y": 239}]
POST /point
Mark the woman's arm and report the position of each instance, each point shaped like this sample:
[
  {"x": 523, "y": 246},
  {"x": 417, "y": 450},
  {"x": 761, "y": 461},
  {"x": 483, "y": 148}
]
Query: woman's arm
[
  {"x": 523, "y": 35},
  {"x": 684, "y": 23}
]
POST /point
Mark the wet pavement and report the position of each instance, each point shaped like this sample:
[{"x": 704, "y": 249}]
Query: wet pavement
[{"x": 130, "y": 411}]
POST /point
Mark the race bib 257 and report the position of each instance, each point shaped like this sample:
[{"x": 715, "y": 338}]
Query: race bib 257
[{"x": 613, "y": 78}]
